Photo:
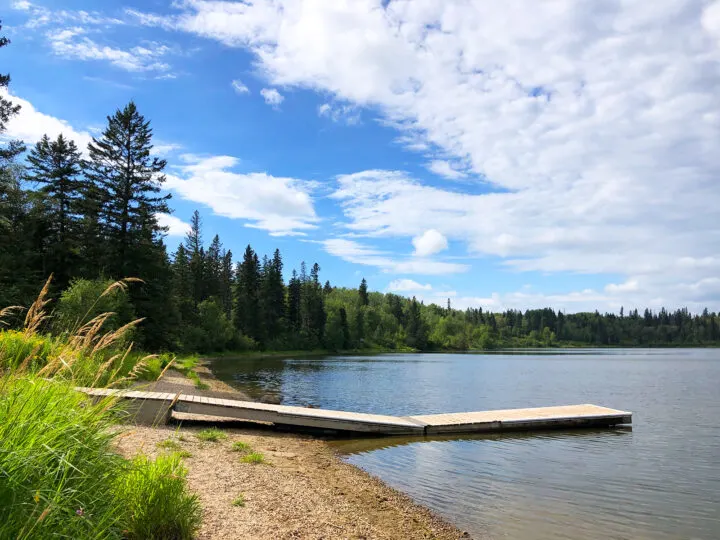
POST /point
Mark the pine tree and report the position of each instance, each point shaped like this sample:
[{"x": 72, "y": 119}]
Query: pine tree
[
  {"x": 226, "y": 283},
  {"x": 183, "y": 286},
  {"x": 327, "y": 288},
  {"x": 363, "y": 292},
  {"x": 247, "y": 301},
  {"x": 196, "y": 257},
  {"x": 273, "y": 297},
  {"x": 7, "y": 110},
  {"x": 213, "y": 269},
  {"x": 56, "y": 167},
  {"x": 294, "y": 302},
  {"x": 129, "y": 183},
  {"x": 416, "y": 330}
]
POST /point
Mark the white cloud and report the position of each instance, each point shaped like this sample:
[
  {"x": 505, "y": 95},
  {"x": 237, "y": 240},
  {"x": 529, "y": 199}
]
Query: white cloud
[
  {"x": 357, "y": 253},
  {"x": 281, "y": 206},
  {"x": 165, "y": 148},
  {"x": 596, "y": 122},
  {"x": 240, "y": 87},
  {"x": 340, "y": 113},
  {"x": 446, "y": 169},
  {"x": 405, "y": 285},
  {"x": 430, "y": 242},
  {"x": 67, "y": 44},
  {"x": 30, "y": 125},
  {"x": 272, "y": 97},
  {"x": 22, "y": 5},
  {"x": 175, "y": 225}
]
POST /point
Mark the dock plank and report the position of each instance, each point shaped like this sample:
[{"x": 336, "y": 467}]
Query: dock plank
[{"x": 462, "y": 422}]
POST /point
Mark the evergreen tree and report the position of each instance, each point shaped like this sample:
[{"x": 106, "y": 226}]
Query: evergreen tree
[
  {"x": 56, "y": 166},
  {"x": 416, "y": 330},
  {"x": 345, "y": 328},
  {"x": 213, "y": 269},
  {"x": 183, "y": 285},
  {"x": 226, "y": 283},
  {"x": 293, "y": 302},
  {"x": 196, "y": 257},
  {"x": 129, "y": 182},
  {"x": 7, "y": 110},
  {"x": 273, "y": 296},
  {"x": 363, "y": 292},
  {"x": 247, "y": 301},
  {"x": 327, "y": 288}
]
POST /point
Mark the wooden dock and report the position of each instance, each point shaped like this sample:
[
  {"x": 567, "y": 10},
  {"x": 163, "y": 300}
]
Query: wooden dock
[{"x": 157, "y": 407}]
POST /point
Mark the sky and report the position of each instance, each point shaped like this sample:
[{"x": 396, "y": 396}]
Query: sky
[{"x": 513, "y": 154}]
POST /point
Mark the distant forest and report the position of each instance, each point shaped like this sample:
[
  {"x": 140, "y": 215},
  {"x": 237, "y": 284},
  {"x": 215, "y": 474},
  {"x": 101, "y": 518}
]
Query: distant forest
[{"x": 87, "y": 219}]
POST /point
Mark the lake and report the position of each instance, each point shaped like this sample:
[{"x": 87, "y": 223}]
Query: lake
[{"x": 659, "y": 480}]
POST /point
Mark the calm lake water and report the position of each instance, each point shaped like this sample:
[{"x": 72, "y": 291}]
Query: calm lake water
[{"x": 660, "y": 480}]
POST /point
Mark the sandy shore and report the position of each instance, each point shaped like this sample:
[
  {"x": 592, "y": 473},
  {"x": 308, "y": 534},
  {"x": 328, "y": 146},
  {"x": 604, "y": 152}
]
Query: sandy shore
[{"x": 303, "y": 491}]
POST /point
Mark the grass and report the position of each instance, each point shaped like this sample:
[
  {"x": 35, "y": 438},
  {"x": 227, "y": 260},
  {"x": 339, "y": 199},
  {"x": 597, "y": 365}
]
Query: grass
[
  {"x": 174, "y": 447},
  {"x": 239, "y": 446},
  {"x": 211, "y": 435},
  {"x": 255, "y": 458},
  {"x": 155, "y": 497},
  {"x": 59, "y": 474},
  {"x": 239, "y": 500}
]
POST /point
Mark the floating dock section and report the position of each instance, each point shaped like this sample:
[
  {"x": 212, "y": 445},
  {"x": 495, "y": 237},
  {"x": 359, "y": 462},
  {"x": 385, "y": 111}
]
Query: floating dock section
[{"x": 157, "y": 407}]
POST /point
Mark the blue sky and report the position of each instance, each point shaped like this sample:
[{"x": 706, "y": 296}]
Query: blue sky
[{"x": 517, "y": 154}]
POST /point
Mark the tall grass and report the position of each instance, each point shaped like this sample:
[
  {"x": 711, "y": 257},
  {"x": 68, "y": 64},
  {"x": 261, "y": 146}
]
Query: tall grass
[
  {"x": 156, "y": 500},
  {"x": 59, "y": 475},
  {"x": 57, "y": 467}
]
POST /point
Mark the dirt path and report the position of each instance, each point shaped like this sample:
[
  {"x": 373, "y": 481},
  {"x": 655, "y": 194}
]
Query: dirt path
[{"x": 305, "y": 491}]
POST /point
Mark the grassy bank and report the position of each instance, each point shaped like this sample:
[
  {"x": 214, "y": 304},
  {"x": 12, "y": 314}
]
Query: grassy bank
[{"x": 59, "y": 473}]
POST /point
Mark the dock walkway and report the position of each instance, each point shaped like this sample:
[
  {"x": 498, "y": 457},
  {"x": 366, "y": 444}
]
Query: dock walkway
[{"x": 157, "y": 407}]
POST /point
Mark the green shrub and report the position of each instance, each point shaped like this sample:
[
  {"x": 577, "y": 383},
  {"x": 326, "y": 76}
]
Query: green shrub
[
  {"x": 254, "y": 457},
  {"x": 85, "y": 299},
  {"x": 211, "y": 435},
  {"x": 239, "y": 500},
  {"x": 156, "y": 501},
  {"x": 16, "y": 347}
]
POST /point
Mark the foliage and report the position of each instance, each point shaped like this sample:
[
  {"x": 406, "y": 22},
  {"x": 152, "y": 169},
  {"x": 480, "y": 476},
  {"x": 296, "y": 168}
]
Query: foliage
[
  {"x": 211, "y": 435},
  {"x": 157, "y": 505},
  {"x": 85, "y": 299},
  {"x": 254, "y": 458},
  {"x": 239, "y": 446},
  {"x": 239, "y": 500},
  {"x": 57, "y": 469}
]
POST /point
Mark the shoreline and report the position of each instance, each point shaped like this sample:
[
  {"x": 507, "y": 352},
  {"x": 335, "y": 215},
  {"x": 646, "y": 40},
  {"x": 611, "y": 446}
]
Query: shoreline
[{"x": 305, "y": 490}]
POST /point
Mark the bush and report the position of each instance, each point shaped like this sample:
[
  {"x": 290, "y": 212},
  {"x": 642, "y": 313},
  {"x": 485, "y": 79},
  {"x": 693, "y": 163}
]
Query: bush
[
  {"x": 156, "y": 501},
  {"x": 85, "y": 299}
]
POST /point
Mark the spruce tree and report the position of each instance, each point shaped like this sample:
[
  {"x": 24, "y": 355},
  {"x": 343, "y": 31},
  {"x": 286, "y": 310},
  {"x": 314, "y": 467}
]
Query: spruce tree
[
  {"x": 129, "y": 184},
  {"x": 226, "y": 283},
  {"x": 247, "y": 301},
  {"x": 293, "y": 302},
  {"x": 363, "y": 292},
  {"x": 183, "y": 285},
  {"x": 7, "y": 110},
  {"x": 196, "y": 257},
  {"x": 56, "y": 167}
]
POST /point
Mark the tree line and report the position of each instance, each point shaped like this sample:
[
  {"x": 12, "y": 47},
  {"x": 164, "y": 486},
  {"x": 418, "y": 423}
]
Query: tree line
[{"x": 86, "y": 218}]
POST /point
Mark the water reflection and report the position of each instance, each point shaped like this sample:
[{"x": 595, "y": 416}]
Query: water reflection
[
  {"x": 660, "y": 481},
  {"x": 351, "y": 445}
]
